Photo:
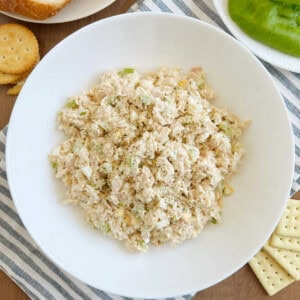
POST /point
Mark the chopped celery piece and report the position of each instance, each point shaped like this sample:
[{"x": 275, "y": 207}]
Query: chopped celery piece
[
  {"x": 125, "y": 72},
  {"x": 72, "y": 104}
]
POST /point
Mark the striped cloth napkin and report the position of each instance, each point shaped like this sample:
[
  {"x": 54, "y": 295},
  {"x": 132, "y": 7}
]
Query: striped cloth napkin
[{"x": 20, "y": 257}]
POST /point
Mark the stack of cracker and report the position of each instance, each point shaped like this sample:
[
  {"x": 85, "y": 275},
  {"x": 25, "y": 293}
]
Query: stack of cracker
[
  {"x": 19, "y": 53},
  {"x": 277, "y": 264}
]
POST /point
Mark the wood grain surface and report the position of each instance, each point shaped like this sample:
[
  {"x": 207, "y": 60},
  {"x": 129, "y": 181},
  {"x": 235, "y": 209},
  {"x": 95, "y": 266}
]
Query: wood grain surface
[{"x": 242, "y": 285}]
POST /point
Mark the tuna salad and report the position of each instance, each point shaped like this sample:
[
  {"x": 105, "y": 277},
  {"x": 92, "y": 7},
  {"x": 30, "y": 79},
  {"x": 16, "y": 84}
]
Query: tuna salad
[{"x": 147, "y": 155}]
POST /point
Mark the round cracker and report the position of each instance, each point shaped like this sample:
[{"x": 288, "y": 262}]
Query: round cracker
[
  {"x": 15, "y": 78},
  {"x": 9, "y": 78},
  {"x": 19, "y": 49}
]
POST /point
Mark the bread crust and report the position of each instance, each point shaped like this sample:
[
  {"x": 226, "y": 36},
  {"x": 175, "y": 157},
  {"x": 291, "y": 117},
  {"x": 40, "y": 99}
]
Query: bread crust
[{"x": 32, "y": 9}]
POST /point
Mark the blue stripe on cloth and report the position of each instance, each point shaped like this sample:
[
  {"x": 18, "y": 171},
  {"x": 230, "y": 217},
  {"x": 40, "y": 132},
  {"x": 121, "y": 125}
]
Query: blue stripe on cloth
[
  {"x": 43, "y": 258},
  {"x": 211, "y": 14},
  {"x": 8, "y": 211},
  {"x": 5, "y": 191},
  {"x": 297, "y": 169},
  {"x": 3, "y": 174},
  {"x": 184, "y": 8},
  {"x": 31, "y": 281},
  {"x": 297, "y": 150},
  {"x": 297, "y": 75},
  {"x": 161, "y": 5},
  {"x": 283, "y": 79},
  {"x": 28, "y": 260},
  {"x": 2, "y": 147},
  {"x": 126, "y": 298},
  {"x": 100, "y": 294},
  {"x": 26, "y": 290},
  {"x": 296, "y": 131},
  {"x": 143, "y": 7},
  {"x": 291, "y": 107}
]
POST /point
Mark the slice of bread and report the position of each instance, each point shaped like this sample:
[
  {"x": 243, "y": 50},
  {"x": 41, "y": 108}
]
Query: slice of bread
[{"x": 35, "y": 9}]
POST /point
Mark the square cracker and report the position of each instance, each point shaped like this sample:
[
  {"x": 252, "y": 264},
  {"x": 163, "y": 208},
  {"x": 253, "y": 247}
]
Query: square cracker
[
  {"x": 289, "y": 224},
  {"x": 285, "y": 242},
  {"x": 289, "y": 260},
  {"x": 270, "y": 274}
]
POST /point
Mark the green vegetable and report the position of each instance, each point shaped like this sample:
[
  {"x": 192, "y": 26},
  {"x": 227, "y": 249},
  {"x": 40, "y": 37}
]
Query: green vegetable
[
  {"x": 213, "y": 220},
  {"x": 112, "y": 100},
  {"x": 273, "y": 22},
  {"x": 142, "y": 243},
  {"x": 54, "y": 165},
  {"x": 92, "y": 184},
  {"x": 236, "y": 147},
  {"x": 226, "y": 128},
  {"x": 125, "y": 71},
  {"x": 83, "y": 113},
  {"x": 133, "y": 162},
  {"x": 107, "y": 228},
  {"x": 72, "y": 104}
]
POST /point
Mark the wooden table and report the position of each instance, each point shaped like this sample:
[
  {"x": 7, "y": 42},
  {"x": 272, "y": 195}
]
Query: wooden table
[{"x": 242, "y": 285}]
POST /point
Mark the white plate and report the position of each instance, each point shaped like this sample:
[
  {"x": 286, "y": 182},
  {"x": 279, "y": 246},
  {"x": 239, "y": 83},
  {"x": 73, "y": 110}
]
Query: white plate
[
  {"x": 77, "y": 9},
  {"x": 263, "y": 51},
  {"x": 146, "y": 41}
]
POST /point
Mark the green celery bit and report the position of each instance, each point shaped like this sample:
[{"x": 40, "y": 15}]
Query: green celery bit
[
  {"x": 112, "y": 100},
  {"x": 226, "y": 128},
  {"x": 213, "y": 220},
  {"x": 142, "y": 243},
  {"x": 54, "y": 165},
  {"x": 126, "y": 71},
  {"x": 72, "y": 104},
  {"x": 107, "y": 228}
]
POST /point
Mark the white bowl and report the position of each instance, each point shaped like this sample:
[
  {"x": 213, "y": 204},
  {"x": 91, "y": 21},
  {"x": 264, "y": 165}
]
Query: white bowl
[
  {"x": 146, "y": 41},
  {"x": 263, "y": 51}
]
